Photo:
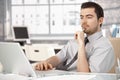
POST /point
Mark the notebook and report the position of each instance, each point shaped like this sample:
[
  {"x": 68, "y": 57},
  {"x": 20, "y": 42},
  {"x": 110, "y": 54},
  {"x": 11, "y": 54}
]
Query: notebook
[{"x": 14, "y": 61}]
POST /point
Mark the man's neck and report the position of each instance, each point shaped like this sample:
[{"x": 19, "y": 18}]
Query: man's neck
[{"x": 92, "y": 33}]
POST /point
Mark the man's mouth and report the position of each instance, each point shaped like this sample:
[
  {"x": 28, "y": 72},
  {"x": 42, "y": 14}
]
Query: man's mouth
[{"x": 84, "y": 27}]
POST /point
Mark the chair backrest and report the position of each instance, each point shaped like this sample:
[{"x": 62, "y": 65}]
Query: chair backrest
[{"x": 116, "y": 46}]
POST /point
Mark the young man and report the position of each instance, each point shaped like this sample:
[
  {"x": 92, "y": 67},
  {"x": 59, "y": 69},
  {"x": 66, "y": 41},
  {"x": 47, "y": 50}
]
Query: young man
[{"x": 96, "y": 56}]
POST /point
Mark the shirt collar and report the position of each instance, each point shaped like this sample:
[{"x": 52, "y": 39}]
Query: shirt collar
[{"x": 95, "y": 36}]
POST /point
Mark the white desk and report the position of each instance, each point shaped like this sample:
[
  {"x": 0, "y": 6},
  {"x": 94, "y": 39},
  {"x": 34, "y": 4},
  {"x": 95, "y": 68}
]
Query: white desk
[
  {"x": 81, "y": 77},
  {"x": 13, "y": 77},
  {"x": 64, "y": 76}
]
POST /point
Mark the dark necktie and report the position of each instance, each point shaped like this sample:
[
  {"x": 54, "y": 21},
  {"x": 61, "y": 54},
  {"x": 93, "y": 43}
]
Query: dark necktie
[
  {"x": 63, "y": 66},
  {"x": 86, "y": 40},
  {"x": 75, "y": 57}
]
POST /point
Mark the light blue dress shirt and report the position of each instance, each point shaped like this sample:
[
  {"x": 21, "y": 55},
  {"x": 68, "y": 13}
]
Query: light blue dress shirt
[{"x": 99, "y": 53}]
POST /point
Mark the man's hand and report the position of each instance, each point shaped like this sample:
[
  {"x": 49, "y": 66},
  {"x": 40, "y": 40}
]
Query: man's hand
[
  {"x": 43, "y": 66},
  {"x": 79, "y": 36}
]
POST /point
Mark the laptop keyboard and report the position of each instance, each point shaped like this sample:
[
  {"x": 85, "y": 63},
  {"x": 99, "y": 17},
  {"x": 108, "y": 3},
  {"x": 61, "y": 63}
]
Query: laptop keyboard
[{"x": 51, "y": 73}]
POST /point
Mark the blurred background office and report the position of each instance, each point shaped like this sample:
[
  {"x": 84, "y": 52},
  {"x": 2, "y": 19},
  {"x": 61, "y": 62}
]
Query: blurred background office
[{"x": 53, "y": 21}]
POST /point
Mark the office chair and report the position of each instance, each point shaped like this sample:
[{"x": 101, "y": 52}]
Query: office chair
[{"x": 116, "y": 46}]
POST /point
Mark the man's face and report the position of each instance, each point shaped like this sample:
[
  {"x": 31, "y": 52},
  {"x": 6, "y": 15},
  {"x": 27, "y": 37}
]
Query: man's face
[{"x": 89, "y": 22}]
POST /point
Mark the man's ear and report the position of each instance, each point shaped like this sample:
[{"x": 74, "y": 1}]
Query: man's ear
[{"x": 101, "y": 20}]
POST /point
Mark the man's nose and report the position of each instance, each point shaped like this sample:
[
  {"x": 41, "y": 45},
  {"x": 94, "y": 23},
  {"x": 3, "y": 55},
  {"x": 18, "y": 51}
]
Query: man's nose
[{"x": 83, "y": 20}]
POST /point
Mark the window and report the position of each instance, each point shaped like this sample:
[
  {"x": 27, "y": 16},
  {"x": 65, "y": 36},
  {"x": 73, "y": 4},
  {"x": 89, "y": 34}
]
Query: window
[{"x": 47, "y": 18}]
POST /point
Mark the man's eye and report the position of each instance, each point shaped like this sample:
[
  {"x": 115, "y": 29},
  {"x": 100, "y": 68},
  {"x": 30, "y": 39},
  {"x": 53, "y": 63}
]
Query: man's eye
[
  {"x": 89, "y": 17},
  {"x": 81, "y": 17}
]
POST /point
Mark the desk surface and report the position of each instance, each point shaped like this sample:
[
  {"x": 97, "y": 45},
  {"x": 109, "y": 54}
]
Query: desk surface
[
  {"x": 81, "y": 77},
  {"x": 63, "y": 75}
]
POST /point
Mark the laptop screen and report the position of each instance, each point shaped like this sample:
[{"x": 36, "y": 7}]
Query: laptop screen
[{"x": 14, "y": 60}]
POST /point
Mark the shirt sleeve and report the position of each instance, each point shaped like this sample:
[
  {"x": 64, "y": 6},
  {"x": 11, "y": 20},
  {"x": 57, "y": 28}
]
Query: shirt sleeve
[
  {"x": 102, "y": 59},
  {"x": 62, "y": 54}
]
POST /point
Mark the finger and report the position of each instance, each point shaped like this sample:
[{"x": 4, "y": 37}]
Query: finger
[
  {"x": 45, "y": 66},
  {"x": 41, "y": 66},
  {"x": 50, "y": 66},
  {"x": 76, "y": 35},
  {"x": 37, "y": 67}
]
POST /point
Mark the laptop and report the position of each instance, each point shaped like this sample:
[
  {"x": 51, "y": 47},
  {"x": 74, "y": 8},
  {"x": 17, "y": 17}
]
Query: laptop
[{"x": 14, "y": 61}]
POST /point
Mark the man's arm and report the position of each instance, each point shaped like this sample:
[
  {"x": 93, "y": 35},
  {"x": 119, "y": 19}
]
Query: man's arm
[
  {"x": 54, "y": 60},
  {"x": 48, "y": 64},
  {"x": 82, "y": 64}
]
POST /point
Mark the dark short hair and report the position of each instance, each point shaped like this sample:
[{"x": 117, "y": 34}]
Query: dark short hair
[{"x": 98, "y": 9}]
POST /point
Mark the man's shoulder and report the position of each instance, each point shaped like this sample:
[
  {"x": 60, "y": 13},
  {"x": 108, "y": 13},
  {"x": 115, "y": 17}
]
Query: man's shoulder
[{"x": 104, "y": 42}]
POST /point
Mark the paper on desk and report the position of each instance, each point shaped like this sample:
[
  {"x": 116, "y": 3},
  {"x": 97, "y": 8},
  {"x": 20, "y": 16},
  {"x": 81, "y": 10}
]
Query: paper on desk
[{"x": 68, "y": 77}]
